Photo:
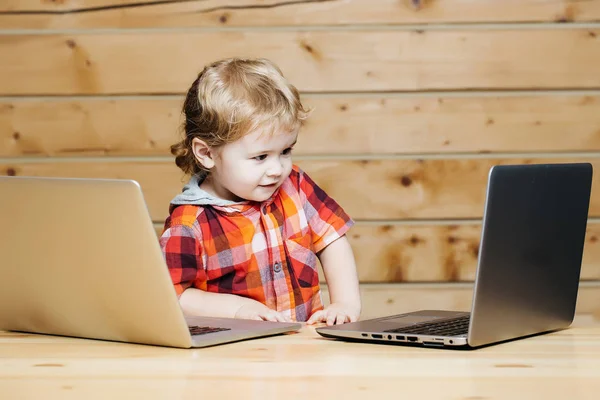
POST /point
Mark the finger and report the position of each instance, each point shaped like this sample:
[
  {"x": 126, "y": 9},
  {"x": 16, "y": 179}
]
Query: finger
[
  {"x": 353, "y": 318},
  {"x": 269, "y": 316},
  {"x": 340, "y": 319},
  {"x": 254, "y": 317},
  {"x": 286, "y": 318},
  {"x": 316, "y": 317},
  {"x": 279, "y": 317},
  {"x": 331, "y": 319}
]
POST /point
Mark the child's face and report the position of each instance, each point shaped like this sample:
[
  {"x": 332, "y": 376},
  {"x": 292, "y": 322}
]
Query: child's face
[{"x": 253, "y": 167}]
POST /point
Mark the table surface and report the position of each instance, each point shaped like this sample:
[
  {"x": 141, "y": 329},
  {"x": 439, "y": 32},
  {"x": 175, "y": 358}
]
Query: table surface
[{"x": 560, "y": 365}]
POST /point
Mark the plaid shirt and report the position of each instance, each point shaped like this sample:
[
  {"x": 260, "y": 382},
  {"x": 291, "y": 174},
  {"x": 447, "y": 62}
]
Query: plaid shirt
[{"x": 265, "y": 251}]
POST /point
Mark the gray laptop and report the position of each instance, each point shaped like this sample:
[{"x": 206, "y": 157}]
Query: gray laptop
[
  {"x": 80, "y": 257},
  {"x": 528, "y": 271}
]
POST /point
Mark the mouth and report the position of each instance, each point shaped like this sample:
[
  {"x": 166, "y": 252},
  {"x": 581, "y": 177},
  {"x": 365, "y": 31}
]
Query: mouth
[{"x": 271, "y": 185}]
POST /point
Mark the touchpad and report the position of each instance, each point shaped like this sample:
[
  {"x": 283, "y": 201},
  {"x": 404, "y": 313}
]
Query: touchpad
[{"x": 412, "y": 319}]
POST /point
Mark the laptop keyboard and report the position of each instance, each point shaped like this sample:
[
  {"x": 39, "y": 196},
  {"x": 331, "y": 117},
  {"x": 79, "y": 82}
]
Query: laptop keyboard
[
  {"x": 448, "y": 327},
  {"x": 203, "y": 330}
]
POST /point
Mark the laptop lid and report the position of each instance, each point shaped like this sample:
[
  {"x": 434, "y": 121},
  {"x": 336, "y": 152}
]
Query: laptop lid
[
  {"x": 81, "y": 258},
  {"x": 532, "y": 242}
]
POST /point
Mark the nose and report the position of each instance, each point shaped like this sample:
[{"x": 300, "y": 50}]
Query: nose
[{"x": 275, "y": 168}]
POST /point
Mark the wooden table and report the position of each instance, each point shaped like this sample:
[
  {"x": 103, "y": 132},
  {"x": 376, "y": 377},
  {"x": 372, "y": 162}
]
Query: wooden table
[{"x": 562, "y": 365}]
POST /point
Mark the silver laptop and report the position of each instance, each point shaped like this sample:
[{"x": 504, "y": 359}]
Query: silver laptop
[
  {"x": 528, "y": 271},
  {"x": 80, "y": 257}
]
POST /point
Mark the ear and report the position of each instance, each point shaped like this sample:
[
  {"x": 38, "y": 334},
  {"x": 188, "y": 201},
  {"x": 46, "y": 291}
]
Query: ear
[{"x": 203, "y": 153}]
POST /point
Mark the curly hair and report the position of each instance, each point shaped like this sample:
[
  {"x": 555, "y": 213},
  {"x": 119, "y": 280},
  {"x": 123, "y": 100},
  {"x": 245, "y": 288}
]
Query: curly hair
[{"x": 231, "y": 98}]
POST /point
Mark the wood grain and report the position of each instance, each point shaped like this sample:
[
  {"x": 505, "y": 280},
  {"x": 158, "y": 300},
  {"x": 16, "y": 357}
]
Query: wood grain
[
  {"x": 385, "y": 189},
  {"x": 84, "y": 14},
  {"x": 316, "y": 61},
  {"x": 556, "y": 366},
  {"x": 340, "y": 124}
]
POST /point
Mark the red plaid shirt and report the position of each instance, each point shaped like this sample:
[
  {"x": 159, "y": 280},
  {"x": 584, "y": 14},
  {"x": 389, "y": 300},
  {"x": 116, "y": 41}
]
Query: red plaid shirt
[{"x": 265, "y": 251}]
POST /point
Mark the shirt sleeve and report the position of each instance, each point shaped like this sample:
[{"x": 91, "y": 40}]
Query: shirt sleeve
[
  {"x": 183, "y": 254},
  {"x": 326, "y": 218}
]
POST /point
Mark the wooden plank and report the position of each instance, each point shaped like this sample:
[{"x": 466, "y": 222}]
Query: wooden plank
[
  {"x": 89, "y": 127},
  {"x": 384, "y": 300},
  {"x": 80, "y": 14},
  {"x": 388, "y": 189},
  {"x": 338, "y": 60},
  {"x": 432, "y": 253},
  {"x": 341, "y": 124},
  {"x": 70, "y": 6}
]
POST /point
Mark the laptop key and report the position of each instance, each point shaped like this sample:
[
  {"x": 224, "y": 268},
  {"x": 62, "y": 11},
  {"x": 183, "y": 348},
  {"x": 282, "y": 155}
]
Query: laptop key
[
  {"x": 452, "y": 327},
  {"x": 203, "y": 330}
]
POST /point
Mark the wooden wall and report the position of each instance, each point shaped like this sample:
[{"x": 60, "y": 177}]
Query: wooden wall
[{"x": 414, "y": 101}]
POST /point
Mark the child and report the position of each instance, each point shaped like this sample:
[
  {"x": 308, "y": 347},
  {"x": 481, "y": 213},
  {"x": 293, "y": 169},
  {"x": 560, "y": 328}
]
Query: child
[{"x": 243, "y": 237}]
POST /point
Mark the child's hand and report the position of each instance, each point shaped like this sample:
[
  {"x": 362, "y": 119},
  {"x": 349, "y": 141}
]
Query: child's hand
[
  {"x": 335, "y": 313},
  {"x": 260, "y": 312}
]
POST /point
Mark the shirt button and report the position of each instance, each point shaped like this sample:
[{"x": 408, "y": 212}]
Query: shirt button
[{"x": 277, "y": 267}]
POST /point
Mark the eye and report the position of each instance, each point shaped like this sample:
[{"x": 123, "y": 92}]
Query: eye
[
  {"x": 262, "y": 157},
  {"x": 287, "y": 151}
]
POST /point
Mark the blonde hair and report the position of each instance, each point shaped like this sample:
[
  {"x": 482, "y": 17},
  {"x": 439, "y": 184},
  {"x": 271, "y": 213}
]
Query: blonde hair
[{"x": 231, "y": 98}]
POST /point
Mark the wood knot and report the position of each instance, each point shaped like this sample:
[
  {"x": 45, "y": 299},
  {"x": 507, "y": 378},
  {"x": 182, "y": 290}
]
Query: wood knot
[
  {"x": 385, "y": 228},
  {"x": 406, "y": 181},
  {"x": 307, "y": 47},
  {"x": 343, "y": 107},
  {"x": 16, "y": 136},
  {"x": 592, "y": 34},
  {"x": 314, "y": 52},
  {"x": 223, "y": 18},
  {"x": 71, "y": 43},
  {"x": 452, "y": 239},
  {"x": 415, "y": 240},
  {"x": 475, "y": 250},
  {"x": 490, "y": 121},
  {"x": 11, "y": 172}
]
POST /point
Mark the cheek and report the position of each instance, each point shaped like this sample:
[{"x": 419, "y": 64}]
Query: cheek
[
  {"x": 247, "y": 173},
  {"x": 287, "y": 165}
]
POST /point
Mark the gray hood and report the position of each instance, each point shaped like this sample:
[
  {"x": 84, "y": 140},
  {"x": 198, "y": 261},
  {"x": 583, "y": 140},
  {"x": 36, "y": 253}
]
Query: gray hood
[{"x": 192, "y": 194}]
